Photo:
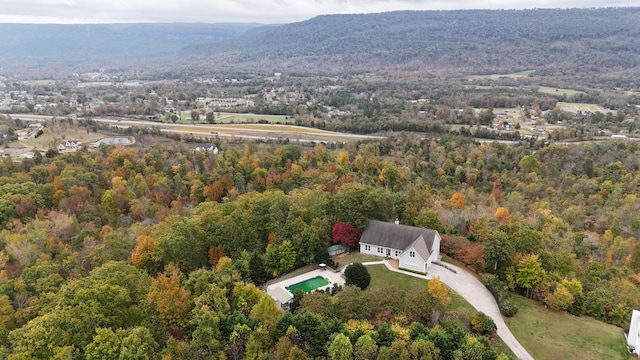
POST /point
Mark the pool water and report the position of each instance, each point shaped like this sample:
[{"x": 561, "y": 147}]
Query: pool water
[{"x": 309, "y": 284}]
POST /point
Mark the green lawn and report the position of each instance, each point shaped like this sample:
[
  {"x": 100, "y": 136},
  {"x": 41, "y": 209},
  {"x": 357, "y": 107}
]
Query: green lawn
[
  {"x": 381, "y": 276},
  {"x": 551, "y": 335},
  {"x": 354, "y": 257}
]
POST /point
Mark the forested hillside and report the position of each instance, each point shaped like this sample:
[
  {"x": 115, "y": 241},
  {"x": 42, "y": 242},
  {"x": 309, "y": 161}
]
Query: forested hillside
[
  {"x": 125, "y": 252},
  {"x": 95, "y": 46},
  {"x": 551, "y": 41}
]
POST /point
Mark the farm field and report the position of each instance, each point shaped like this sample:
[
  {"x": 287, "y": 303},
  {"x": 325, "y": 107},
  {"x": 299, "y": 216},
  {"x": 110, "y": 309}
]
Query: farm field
[
  {"x": 235, "y": 118},
  {"x": 559, "y": 91},
  {"x": 516, "y": 75},
  {"x": 575, "y": 107},
  {"x": 554, "y": 335},
  {"x": 227, "y": 118}
]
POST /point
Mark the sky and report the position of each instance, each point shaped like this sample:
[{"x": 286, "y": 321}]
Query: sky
[{"x": 260, "y": 11}]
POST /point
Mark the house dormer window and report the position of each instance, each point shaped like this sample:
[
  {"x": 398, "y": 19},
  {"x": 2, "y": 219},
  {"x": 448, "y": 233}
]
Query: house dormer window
[{"x": 412, "y": 254}]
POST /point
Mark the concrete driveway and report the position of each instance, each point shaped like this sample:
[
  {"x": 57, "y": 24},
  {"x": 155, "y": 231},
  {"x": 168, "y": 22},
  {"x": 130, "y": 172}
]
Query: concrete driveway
[{"x": 472, "y": 290}]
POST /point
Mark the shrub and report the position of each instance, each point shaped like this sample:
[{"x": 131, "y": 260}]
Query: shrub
[
  {"x": 483, "y": 324},
  {"x": 501, "y": 293},
  {"x": 358, "y": 275}
]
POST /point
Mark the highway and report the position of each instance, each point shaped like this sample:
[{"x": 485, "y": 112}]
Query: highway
[{"x": 277, "y": 131}]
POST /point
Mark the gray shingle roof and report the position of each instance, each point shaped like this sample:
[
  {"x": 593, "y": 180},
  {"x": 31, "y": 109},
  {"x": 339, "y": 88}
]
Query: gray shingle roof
[
  {"x": 397, "y": 236},
  {"x": 421, "y": 248}
]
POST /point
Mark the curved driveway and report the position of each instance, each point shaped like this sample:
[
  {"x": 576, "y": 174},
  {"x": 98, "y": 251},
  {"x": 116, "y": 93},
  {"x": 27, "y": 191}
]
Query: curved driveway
[{"x": 472, "y": 290}]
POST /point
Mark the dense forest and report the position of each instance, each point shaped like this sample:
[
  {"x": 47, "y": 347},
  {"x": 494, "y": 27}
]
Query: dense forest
[
  {"x": 550, "y": 41},
  {"x": 132, "y": 252}
]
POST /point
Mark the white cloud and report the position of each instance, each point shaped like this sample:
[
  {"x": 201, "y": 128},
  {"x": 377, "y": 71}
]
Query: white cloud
[{"x": 264, "y": 11}]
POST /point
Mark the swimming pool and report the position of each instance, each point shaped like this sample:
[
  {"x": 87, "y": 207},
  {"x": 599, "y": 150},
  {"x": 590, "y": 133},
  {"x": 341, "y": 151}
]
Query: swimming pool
[{"x": 309, "y": 284}]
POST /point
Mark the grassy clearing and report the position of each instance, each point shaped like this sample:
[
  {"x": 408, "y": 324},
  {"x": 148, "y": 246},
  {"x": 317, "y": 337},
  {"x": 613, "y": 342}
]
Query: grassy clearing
[
  {"x": 54, "y": 134},
  {"x": 227, "y": 118},
  {"x": 516, "y": 75},
  {"x": 575, "y": 107},
  {"x": 39, "y": 82},
  {"x": 550, "y": 335},
  {"x": 204, "y": 129},
  {"x": 559, "y": 91},
  {"x": 279, "y": 128},
  {"x": 233, "y": 118},
  {"x": 263, "y": 128}
]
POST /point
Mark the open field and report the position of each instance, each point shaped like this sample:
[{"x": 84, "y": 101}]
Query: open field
[
  {"x": 95, "y": 83},
  {"x": 517, "y": 75},
  {"x": 235, "y": 118},
  {"x": 575, "y": 107},
  {"x": 226, "y": 118},
  {"x": 558, "y": 335},
  {"x": 39, "y": 82},
  {"x": 558, "y": 91},
  {"x": 54, "y": 134},
  {"x": 279, "y": 128}
]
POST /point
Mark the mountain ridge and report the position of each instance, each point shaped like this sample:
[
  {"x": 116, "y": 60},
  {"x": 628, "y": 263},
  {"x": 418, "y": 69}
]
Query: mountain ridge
[
  {"x": 552, "y": 42},
  {"x": 458, "y": 40}
]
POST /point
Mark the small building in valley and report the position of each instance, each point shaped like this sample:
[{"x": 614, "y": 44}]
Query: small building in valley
[{"x": 414, "y": 247}]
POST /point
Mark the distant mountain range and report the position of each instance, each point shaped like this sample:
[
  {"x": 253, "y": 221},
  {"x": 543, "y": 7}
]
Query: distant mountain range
[
  {"x": 551, "y": 41},
  {"x": 48, "y": 45}
]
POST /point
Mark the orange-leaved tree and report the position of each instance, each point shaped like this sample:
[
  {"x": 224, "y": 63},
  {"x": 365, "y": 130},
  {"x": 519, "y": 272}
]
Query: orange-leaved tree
[{"x": 170, "y": 299}]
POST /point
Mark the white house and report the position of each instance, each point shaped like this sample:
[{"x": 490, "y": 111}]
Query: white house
[
  {"x": 633, "y": 339},
  {"x": 415, "y": 248}
]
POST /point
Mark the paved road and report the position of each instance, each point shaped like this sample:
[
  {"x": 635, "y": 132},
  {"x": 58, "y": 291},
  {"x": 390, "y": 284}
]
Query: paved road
[
  {"x": 311, "y": 135},
  {"x": 472, "y": 290}
]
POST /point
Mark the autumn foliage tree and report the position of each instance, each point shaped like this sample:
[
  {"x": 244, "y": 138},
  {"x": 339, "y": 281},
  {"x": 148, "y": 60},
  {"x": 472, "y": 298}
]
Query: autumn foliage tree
[
  {"x": 147, "y": 255},
  {"x": 170, "y": 299},
  {"x": 502, "y": 215},
  {"x": 458, "y": 200},
  {"x": 215, "y": 254},
  {"x": 345, "y": 234},
  {"x": 438, "y": 290}
]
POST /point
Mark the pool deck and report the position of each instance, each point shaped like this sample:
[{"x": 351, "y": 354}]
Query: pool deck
[{"x": 334, "y": 278}]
